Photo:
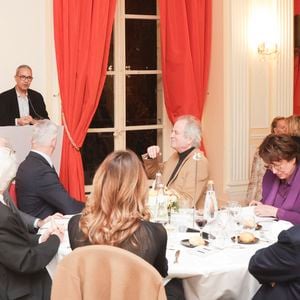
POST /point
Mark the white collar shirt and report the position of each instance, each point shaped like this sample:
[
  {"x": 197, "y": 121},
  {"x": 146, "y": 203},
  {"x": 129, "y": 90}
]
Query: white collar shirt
[
  {"x": 23, "y": 104},
  {"x": 2, "y": 200}
]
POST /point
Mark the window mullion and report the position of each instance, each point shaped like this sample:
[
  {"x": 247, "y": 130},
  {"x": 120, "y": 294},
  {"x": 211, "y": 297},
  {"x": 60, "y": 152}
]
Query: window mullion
[{"x": 119, "y": 86}]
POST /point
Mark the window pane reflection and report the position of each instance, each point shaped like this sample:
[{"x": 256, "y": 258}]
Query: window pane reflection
[
  {"x": 104, "y": 115},
  {"x": 141, "y": 52},
  {"x": 143, "y": 100},
  {"x": 140, "y": 7},
  {"x": 138, "y": 141},
  {"x": 95, "y": 148}
]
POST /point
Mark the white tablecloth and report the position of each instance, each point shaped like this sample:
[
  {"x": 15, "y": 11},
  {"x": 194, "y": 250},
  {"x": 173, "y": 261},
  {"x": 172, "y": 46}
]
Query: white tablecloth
[
  {"x": 219, "y": 270},
  {"x": 213, "y": 273},
  {"x": 208, "y": 272}
]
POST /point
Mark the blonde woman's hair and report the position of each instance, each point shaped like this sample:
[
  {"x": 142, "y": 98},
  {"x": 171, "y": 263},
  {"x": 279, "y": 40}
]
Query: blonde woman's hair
[
  {"x": 293, "y": 125},
  {"x": 117, "y": 203},
  {"x": 275, "y": 122}
]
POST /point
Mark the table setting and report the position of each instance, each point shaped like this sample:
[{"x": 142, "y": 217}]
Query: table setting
[
  {"x": 212, "y": 259},
  {"x": 209, "y": 255}
]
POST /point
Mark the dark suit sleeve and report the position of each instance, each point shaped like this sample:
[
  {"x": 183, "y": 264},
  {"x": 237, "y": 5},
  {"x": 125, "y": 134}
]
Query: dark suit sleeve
[
  {"x": 20, "y": 251},
  {"x": 8, "y": 108},
  {"x": 53, "y": 192},
  {"x": 279, "y": 262},
  {"x": 28, "y": 220}
]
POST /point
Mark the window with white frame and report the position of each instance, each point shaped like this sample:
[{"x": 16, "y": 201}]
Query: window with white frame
[{"x": 130, "y": 114}]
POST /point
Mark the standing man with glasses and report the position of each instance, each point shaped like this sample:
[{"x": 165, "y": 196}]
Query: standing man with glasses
[{"x": 21, "y": 105}]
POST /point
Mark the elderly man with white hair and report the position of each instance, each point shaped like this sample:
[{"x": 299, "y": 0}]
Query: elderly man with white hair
[
  {"x": 186, "y": 171},
  {"x": 24, "y": 256},
  {"x": 31, "y": 222},
  {"x": 39, "y": 190}
]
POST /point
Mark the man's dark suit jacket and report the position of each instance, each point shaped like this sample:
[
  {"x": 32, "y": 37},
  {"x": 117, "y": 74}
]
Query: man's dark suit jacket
[
  {"x": 39, "y": 191},
  {"x": 278, "y": 264},
  {"x": 9, "y": 108},
  {"x": 28, "y": 220},
  {"x": 23, "y": 260}
]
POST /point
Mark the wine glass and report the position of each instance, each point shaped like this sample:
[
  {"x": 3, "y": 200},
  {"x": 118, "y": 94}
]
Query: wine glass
[
  {"x": 248, "y": 222},
  {"x": 201, "y": 221},
  {"x": 234, "y": 209}
]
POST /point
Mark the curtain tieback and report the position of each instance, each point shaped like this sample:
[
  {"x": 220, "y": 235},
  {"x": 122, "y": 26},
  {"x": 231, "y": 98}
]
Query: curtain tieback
[{"x": 68, "y": 133}]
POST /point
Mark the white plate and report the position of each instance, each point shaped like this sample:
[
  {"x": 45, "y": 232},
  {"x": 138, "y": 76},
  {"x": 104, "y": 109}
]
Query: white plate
[{"x": 264, "y": 219}]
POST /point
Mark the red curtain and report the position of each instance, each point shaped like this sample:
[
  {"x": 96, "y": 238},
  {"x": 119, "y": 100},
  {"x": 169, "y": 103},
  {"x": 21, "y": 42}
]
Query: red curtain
[
  {"x": 186, "y": 44},
  {"x": 82, "y": 31},
  {"x": 296, "y": 7}
]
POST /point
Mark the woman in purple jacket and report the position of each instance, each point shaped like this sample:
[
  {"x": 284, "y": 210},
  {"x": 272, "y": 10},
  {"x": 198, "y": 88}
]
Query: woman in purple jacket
[{"x": 281, "y": 182}]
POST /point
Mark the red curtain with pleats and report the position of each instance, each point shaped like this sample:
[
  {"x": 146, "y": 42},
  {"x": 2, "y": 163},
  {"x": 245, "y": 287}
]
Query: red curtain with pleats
[
  {"x": 297, "y": 68},
  {"x": 82, "y": 31},
  {"x": 186, "y": 47}
]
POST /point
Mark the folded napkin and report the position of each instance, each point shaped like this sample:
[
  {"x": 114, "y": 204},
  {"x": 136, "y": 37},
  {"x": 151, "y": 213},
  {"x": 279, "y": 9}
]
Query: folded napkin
[{"x": 277, "y": 227}]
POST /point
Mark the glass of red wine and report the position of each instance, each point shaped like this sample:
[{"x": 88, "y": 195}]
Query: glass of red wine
[{"x": 201, "y": 222}]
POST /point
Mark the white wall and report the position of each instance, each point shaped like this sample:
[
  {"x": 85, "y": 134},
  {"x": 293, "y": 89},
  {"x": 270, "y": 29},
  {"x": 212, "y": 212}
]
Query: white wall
[
  {"x": 27, "y": 38},
  {"x": 245, "y": 91}
]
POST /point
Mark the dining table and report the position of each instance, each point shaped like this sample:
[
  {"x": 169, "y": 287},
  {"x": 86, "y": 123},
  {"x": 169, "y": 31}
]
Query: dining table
[{"x": 216, "y": 270}]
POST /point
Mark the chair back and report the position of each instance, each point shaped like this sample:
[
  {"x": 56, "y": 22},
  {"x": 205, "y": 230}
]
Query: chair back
[{"x": 106, "y": 273}]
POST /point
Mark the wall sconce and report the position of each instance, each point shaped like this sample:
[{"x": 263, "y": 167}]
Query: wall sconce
[{"x": 267, "y": 49}]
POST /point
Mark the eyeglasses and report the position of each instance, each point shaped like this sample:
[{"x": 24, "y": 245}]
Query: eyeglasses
[
  {"x": 23, "y": 77},
  {"x": 277, "y": 167}
]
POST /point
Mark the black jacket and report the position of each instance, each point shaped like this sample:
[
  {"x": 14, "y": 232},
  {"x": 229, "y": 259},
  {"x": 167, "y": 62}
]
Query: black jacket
[
  {"x": 277, "y": 267},
  {"x": 9, "y": 108},
  {"x": 23, "y": 260},
  {"x": 39, "y": 190}
]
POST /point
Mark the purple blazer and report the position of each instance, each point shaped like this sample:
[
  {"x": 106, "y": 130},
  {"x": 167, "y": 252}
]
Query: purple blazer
[{"x": 290, "y": 209}]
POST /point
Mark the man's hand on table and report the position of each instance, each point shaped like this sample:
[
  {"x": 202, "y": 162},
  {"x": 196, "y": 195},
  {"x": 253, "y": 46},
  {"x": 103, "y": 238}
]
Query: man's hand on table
[
  {"x": 41, "y": 223},
  {"x": 53, "y": 229}
]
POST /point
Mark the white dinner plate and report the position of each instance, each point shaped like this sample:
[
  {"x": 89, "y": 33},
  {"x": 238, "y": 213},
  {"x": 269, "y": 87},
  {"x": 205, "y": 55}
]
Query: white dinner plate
[{"x": 264, "y": 219}]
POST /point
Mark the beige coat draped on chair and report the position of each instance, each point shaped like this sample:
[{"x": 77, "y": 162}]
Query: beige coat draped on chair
[{"x": 106, "y": 273}]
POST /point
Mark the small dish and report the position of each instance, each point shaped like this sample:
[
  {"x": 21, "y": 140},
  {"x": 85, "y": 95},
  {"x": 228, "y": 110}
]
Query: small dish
[
  {"x": 240, "y": 242},
  {"x": 186, "y": 243}
]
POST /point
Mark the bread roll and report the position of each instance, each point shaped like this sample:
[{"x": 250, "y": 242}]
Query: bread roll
[
  {"x": 247, "y": 237},
  {"x": 249, "y": 224},
  {"x": 197, "y": 241}
]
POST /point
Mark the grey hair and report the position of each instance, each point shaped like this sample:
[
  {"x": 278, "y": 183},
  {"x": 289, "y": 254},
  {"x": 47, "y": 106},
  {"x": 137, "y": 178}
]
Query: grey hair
[
  {"x": 44, "y": 131},
  {"x": 8, "y": 163},
  {"x": 192, "y": 129},
  {"x": 21, "y": 67}
]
